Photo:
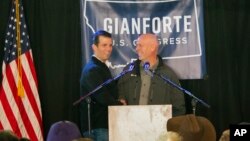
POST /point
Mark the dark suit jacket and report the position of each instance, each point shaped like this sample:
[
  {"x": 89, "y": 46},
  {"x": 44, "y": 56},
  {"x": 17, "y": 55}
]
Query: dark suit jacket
[
  {"x": 160, "y": 92},
  {"x": 94, "y": 74}
]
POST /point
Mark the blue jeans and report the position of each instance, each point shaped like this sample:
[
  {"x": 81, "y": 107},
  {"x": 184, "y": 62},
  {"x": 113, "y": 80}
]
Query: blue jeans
[{"x": 100, "y": 134}]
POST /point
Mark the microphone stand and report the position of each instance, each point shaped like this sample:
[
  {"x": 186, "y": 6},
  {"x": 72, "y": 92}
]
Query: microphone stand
[
  {"x": 194, "y": 98},
  {"x": 88, "y": 99},
  {"x": 104, "y": 84}
]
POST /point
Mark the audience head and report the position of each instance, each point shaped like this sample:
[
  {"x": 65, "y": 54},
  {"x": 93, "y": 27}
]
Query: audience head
[
  {"x": 7, "y": 135},
  {"x": 192, "y": 128},
  {"x": 83, "y": 139},
  {"x": 170, "y": 136},
  {"x": 63, "y": 131},
  {"x": 225, "y": 135},
  {"x": 24, "y": 139}
]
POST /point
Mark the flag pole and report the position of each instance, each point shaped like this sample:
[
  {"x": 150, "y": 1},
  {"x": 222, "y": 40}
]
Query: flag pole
[{"x": 20, "y": 89}]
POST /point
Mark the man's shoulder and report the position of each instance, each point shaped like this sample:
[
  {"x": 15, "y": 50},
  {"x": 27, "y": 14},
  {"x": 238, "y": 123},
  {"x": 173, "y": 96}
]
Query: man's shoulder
[
  {"x": 164, "y": 68},
  {"x": 92, "y": 67}
]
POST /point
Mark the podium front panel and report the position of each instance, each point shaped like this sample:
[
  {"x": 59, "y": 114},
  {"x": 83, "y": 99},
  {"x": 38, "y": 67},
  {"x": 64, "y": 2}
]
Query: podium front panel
[{"x": 138, "y": 123}]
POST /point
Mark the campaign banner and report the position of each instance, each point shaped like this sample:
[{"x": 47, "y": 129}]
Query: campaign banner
[{"x": 177, "y": 23}]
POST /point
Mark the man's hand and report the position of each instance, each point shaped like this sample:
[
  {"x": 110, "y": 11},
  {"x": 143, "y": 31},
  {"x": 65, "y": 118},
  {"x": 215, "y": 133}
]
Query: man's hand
[{"x": 123, "y": 101}]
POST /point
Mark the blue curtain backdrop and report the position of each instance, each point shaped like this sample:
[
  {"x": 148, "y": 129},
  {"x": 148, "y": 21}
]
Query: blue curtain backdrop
[{"x": 55, "y": 37}]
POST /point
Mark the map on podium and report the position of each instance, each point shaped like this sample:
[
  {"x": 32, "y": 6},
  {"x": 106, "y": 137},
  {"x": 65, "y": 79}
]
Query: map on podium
[{"x": 138, "y": 123}]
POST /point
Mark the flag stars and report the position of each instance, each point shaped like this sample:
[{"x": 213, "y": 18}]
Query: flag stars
[
  {"x": 10, "y": 45},
  {"x": 13, "y": 53}
]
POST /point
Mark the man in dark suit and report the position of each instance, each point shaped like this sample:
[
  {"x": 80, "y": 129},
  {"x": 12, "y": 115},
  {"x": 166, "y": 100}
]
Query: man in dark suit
[{"x": 94, "y": 73}]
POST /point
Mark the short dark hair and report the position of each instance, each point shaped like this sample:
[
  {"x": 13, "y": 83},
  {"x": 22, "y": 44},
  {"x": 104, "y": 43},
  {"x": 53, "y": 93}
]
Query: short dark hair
[
  {"x": 98, "y": 34},
  {"x": 24, "y": 139},
  {"x": 7, "y": 135}
]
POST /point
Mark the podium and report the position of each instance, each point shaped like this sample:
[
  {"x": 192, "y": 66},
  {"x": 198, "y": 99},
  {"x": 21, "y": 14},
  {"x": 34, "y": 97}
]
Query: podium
[{"x": 138, "y": 123}]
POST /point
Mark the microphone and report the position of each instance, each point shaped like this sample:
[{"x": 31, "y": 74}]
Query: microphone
[
  {"x": 130, "y": 68},
  {"x": 146, "y": 67}
]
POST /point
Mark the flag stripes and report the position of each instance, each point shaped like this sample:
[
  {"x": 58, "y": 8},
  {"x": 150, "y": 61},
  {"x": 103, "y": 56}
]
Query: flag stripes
[{"x": 21, "y": 114}]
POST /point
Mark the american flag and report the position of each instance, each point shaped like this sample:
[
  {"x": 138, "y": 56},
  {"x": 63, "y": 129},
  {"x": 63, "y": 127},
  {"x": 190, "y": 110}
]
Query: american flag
[{"x": 20, "y": 109}]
